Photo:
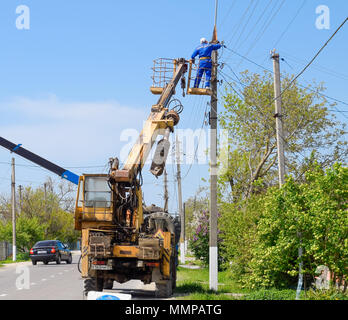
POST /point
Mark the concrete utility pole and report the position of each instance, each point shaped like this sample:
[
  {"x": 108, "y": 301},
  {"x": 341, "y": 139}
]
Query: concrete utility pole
[
  {"x": 165, "y": 182},
  {"x": 184, "y": 232},
  {"x": 280, "y": 149},
  {"x": 181, "y": 214},
  {"x": 278, "y": 117},
  {"x": 213, "y": 249},
  {"x": 13, "y": 205}
]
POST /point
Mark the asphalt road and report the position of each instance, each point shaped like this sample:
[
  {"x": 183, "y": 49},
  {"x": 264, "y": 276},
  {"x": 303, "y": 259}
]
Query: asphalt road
[{"x": 23, "y": 281}]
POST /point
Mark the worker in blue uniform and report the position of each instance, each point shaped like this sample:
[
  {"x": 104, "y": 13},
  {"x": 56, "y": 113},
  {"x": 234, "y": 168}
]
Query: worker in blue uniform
[{"x": 204, "y": 52}]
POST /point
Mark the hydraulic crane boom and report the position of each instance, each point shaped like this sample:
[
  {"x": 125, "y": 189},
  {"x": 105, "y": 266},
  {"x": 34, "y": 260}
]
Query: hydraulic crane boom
[
  {"x": 63, "y": 173},
  {"x": 160, "y": 120}
]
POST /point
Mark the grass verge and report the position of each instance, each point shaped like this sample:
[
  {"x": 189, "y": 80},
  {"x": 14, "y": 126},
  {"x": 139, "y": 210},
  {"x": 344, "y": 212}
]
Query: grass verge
[
  {"x": 21, "y": 257},
  {"x": 193, "y": 284}
]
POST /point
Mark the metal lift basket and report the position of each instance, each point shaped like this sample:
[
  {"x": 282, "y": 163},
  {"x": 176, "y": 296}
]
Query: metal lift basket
[{"x": 163, "y": 70}]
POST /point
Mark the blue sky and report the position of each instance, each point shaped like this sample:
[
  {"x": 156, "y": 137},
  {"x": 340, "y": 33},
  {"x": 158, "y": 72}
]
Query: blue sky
[{"x": 81, "y": 74}]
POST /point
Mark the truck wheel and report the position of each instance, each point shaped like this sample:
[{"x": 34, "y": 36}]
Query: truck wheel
[
  {"x": 164, "y": 289},
  {"x": 93, "y": 284},
  {"x": 173, "y": 273},
  {"x": 108, "y": 284}
]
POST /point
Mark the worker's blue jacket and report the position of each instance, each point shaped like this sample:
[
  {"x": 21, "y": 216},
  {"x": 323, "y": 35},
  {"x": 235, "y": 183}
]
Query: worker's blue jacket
[{"x": 205, "y": 50}]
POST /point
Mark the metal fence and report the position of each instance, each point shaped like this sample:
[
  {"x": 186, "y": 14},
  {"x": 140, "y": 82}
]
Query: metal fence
[{"x": 5, "y": 250}]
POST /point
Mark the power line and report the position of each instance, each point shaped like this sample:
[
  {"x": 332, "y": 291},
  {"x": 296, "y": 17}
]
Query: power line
[
  {"x": 228, "y": 12},
  {"x": 239, "y": 23},
  {"x": 270, "y": 71},
  {"x": 290, "y": 23},
  {"x": 247, "y": 22},
  {"x": 315, "y": 66},
  {"x": 199, "y": 138},
  {"x": 265, "y": 123},
  {"x": 264, "y": 28},
  {"x": 336, "y": 110},
  {"x": 316, "y": 55},
  {"x": 257, "y": 22},
  {"x": 36, "y": 166}
]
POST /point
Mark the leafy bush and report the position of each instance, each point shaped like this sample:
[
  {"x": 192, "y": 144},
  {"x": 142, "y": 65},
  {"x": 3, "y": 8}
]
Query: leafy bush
[
  {"x": 329, "y": 294},
  {"x": 238, "y": 234},
  {"x": 263, "y": 234},
  {"x": 23, "y": 256},
  {"x": 200, "y": 242},
  {"x": 28, "y": 232},
  {"x": 271, "y": 294}
]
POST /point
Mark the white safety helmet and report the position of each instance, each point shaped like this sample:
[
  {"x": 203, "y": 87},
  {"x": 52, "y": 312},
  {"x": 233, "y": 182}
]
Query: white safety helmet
[{"x": 203, "y": 40}]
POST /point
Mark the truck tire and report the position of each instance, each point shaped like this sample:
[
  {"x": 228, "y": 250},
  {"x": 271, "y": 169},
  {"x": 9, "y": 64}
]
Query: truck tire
[
  {"x": 108, "y": 284},
  {"x": 164, "y": 289},
  {"x": 166, "y": 222},
  {"x": 93, "y": 284},
  {"x": 173, "y": 272}
]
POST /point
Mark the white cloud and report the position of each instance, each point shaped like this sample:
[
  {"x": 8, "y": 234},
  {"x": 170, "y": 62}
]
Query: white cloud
[{"x": 70, "y": 133}]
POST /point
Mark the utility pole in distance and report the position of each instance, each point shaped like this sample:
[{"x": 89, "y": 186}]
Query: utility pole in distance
[
  {"x": 165, "y": 182},
  {"x": 184, "y": 233},
  {"x": 182, "y": 245},
  {"x": 213, "y": 249},
  {"x": 278, "y": 117},
  {"x": 13, "y": 205}
]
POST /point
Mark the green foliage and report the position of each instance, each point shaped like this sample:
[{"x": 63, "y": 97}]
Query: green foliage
[
  {"x": 271, "y": 294},
  {"x": 43, "y": 216},
  {"x": 263, "y": 234},
  {"x": 200, "y": 242},
  {"x": 329, "y": 294},
  {"x": 249, "y": 120},
  {"x": 28, "y": 232},
  {"x": 23, "y": 256},
  {"x": 238, "y": 234},
  {"x": 195, "y": 283},
  {"x": 193, "y": 208}
]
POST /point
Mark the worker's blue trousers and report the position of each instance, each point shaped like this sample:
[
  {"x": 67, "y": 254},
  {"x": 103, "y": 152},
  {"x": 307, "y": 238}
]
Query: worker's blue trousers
[{"x": 204, "y": 67}]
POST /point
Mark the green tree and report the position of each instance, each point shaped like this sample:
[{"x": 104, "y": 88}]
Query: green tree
[
  {"x": 51, "y": 206},
  {"x": 194, "y": 206},
  {"x": 249, "y": 119},
  {"x": 239, "y": 226},
  {"x": 311, "y": 215},
  {"x": 28, "y": 232},
  {"x": 199, "y": 244}
]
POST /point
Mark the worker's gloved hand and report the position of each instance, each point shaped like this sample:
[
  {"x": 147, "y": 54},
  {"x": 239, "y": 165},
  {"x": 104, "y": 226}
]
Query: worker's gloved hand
[{"x": 193, "y": 61}]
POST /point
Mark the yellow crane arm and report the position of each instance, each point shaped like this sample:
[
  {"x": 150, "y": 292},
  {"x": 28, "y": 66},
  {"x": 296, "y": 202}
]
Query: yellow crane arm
[{"x": 160, "y": 122}]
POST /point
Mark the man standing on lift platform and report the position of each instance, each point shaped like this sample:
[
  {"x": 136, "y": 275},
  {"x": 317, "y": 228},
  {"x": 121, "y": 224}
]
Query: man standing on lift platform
[{"x": 204, "y": 52}]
